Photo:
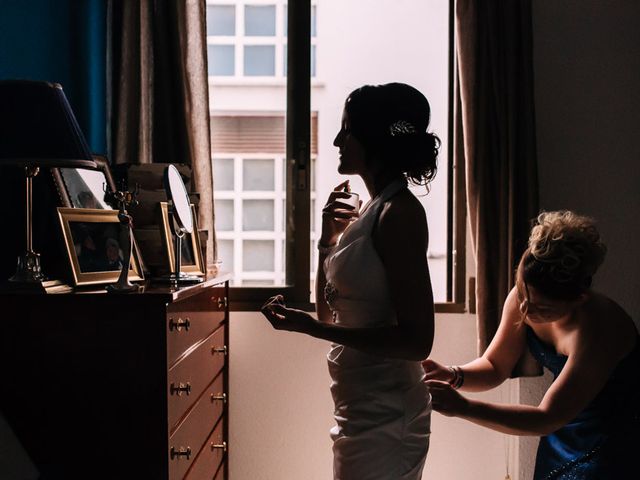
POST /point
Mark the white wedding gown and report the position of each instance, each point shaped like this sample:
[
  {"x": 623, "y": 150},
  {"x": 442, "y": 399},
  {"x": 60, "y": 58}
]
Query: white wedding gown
[{"x": 382, "y": 408}]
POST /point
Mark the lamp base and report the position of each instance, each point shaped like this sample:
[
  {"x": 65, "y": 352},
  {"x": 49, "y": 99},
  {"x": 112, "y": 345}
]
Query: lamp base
[
  {"x": 28, "y": 270},
  {"x": 30, "y": 279}
]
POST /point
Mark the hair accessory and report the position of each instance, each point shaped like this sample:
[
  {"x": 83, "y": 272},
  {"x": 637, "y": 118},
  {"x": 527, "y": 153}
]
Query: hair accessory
[{"x": 401, "y": 127}]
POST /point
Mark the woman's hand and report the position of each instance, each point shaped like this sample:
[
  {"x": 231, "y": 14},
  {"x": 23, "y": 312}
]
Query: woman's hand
[
  {"x": 283, "y": 318},
  {"x": 336, "y": 216},
  {"x": 446, "y": 400},
  {"x": 435, "y": 371}
]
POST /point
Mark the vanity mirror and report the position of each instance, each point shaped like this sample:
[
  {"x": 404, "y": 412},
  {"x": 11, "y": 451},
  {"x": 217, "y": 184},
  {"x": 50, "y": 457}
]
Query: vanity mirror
[{"x": 181, "y": 222}]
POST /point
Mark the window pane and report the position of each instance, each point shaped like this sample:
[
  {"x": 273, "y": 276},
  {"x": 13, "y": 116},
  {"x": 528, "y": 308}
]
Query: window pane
[
  {"x": 222, "y": 60},
  {"x": 225, "y": 255},
  {"x": 422, "y": 30},
  {"x": 260, "y": 20},
  {"x": 221, "y": 20},
  {"x": 223, "y": 173},
  {"x": 257, "y": 215},
  {"x": 224, "y": 215},
  {"x": 260, "y": 60},
  {"x": 257, "y": 255},
  {"x": 258, "y": 174}
]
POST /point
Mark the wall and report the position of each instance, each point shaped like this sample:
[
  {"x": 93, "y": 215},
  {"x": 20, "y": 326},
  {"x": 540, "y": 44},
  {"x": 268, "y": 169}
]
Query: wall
[
  {"x": 587, "y": 74},
  {"x": 62, "y": 41},
  {"x": 281, "y": 408}
]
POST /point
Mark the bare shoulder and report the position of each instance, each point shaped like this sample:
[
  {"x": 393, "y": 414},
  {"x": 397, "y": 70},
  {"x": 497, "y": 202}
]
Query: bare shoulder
[
  {"x": 402, "y": 213},
  {"x": 611, "y": 327}
]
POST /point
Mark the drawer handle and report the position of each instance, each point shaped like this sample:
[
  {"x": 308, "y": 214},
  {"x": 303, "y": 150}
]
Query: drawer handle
[
  {"x": 221, "y": 301},
  {"x": 219, "y": 396},
  {"x": 222, "y": 350},
  {"x": 179, "y": 324},
  {"x": 180, "y": 452},
  {"x": 220, "y": 446},
  {"x": 182, "y": 387}
]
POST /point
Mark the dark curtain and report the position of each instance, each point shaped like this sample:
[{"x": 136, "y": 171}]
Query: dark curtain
[
  {"x": 496, "y": 109},
  {"x": 159, "y": 91}
]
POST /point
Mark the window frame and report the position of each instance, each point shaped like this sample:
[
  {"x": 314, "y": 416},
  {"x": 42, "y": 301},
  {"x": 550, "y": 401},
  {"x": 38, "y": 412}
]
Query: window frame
[{"x": 298, "y": 233}]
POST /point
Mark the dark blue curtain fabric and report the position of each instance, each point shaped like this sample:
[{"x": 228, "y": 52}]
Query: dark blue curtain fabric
[{"x": 61, "y": 41}]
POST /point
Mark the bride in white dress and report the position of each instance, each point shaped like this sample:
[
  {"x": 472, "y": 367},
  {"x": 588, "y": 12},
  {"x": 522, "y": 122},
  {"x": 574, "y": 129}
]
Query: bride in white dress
[{"x": 373, "y": 290}]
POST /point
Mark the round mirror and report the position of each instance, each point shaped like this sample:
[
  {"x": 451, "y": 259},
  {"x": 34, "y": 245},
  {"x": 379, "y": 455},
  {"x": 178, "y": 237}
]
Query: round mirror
[{"x": 177, "y": 193}]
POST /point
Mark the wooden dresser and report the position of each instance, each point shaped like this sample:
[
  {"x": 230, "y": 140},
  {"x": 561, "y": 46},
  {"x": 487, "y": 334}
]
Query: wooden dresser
[{"x": 119, "y": 386}]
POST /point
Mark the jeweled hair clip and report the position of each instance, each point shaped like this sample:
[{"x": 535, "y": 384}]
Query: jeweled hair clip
[{"x": 401, "y": 127}]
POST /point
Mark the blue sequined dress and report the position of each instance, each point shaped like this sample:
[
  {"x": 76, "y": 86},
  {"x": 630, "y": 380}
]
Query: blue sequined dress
[{"x": 603, "y": 441}]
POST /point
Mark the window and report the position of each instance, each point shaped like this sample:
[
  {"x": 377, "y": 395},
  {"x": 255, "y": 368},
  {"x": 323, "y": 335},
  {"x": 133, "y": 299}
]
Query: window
[
  {"x": 250, "y": 195},
  {"x": 270, "y": 165},
  {"x": 248, "y": 38}
]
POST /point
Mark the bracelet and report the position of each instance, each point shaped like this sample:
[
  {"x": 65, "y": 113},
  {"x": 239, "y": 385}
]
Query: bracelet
[
  {"x": 326, "y": 249},
  {"x": 458, "y": 377}
]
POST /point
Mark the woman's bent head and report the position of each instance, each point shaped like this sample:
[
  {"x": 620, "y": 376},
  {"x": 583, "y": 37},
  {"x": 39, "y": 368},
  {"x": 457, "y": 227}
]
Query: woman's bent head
[{"x": 563, "y": 254}]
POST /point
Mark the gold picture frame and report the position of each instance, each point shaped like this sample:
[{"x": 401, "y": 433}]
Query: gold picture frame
[
  {"x": 191, "y": 261},
  {"x": 92, "y": 239},
  {"x": 85, "y": 188}
]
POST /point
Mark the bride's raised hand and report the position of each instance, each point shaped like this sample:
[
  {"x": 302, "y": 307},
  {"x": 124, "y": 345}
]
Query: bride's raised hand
[
  {"x": 283, "y": 318},
  {"x": 336, "y": 215}
]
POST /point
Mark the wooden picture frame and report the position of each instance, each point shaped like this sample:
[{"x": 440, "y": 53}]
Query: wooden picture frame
[
  {"x": 92, "y": 238},
  {"x": 84, "y": 188},
  {"x": 192, "y": 261}
]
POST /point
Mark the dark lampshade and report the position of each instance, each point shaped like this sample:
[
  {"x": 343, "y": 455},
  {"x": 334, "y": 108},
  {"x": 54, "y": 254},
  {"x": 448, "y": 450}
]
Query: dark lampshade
[{"x": 37, "y": 129}]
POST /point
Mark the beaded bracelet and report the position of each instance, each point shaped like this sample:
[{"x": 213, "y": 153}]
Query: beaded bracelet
[{"x": 458, "y": 377}]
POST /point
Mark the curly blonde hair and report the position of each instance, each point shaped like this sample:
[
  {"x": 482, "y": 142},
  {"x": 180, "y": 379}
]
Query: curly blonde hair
[{"x": 563, "y": 254}]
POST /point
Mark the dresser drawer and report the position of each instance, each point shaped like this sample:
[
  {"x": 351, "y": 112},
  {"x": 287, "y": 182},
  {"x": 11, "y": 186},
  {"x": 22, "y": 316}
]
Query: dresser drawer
[
  {"x": 193, "y": 319},
  {"x": 207, "y": 409},
  {"x": 210, "y": 460},
  {"x": 191, "y": 375},
  {"x": 192, "y": 433}
]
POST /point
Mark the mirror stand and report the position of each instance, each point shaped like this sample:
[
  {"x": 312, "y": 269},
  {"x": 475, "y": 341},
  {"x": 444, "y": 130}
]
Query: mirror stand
[{"x": 177, "y": 277}]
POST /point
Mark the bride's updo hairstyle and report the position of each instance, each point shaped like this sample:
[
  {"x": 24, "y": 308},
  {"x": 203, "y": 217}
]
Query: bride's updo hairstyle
[
  {"x": 391, "y": 122},
  {"x": 564, "y": 253}
]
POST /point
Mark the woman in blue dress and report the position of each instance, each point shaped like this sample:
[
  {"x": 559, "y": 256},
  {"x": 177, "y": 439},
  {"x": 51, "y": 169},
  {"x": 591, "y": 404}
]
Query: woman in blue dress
[{"x": 589, "y": 418}]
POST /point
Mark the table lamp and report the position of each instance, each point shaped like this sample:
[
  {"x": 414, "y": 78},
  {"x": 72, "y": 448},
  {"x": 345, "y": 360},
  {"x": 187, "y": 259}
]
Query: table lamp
[{"x": 37, "y": 129}]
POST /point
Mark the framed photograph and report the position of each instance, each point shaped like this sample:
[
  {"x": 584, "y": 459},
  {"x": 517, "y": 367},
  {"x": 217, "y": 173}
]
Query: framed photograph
[
  {"x": 84, "y": 188},
  {"x": 191, "y": 258},
  {"x": 93, "y": 239}
]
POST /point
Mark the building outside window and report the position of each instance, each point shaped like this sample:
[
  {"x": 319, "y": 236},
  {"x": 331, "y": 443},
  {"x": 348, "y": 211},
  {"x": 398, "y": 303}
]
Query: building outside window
[
  {"x": 247, "y": 47},
  {"x": 249, "y": 38}
]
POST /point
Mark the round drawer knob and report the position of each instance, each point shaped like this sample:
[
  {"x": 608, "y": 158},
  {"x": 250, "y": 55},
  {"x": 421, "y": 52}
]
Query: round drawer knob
[
  {"x": 222, "y": 350},
  {"x": 219, "y": 446},
  {"x": 180, "y": 388},
  {"x": 219, "y": 397},
  {"x": 177, "y": 325},
  {"x": 180, "y": 452}
]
